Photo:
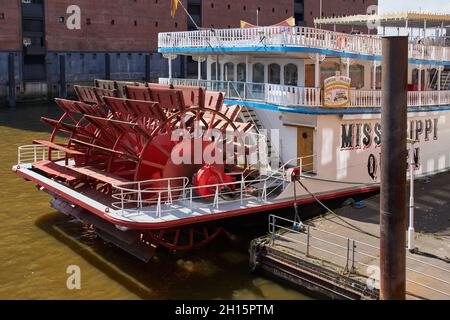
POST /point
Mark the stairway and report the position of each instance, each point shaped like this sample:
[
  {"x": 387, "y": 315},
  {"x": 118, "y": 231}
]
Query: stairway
[
  {"x": 445, "y": 80},
  {"x": 249, "y": 115}
]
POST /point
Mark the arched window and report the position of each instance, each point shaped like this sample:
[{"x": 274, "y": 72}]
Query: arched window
[
  {"x": 274, "y": 73},
  {"x": 258, "y": 73},
  {"x": 229, "y": 71},
  {"x": 357, "y": 76},
  {"x": 378, "y": 78},
  {"x": 290, "y": 74},
  {"x": 328, "y": 69},
  {"x": 416, "y": 77},
  {"x": 241, "y": 72}
]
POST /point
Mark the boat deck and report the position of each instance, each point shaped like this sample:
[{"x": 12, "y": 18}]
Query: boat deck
[{"x": 184, "y": 210}]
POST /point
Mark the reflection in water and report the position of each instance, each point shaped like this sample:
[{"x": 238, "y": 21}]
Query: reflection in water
[{"x": 37, "y": 245}]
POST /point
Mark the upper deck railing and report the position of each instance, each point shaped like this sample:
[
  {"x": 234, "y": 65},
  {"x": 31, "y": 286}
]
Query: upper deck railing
[
  {"x": 292, "y": 96},
  {"x": 219, "y": 40}
]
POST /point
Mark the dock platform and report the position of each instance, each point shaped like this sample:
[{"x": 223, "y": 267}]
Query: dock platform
[{"x": 337, "y": 255}]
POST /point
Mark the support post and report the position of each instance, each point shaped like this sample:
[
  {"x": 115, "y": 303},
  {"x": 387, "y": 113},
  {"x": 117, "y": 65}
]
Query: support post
[
  {"x": 107, "y": 66},
  {"x": 147, "y": 67},
  {"x": 62, "y": 77},
  {"x": 411, "y": 232},
  {"x": 393, "y": 169},
  {"x": 199, "y": 69},
  {"x": 317, "y": 71},
  {"x": 11, "y": 81},
  {"x": 170, "y": 68}
]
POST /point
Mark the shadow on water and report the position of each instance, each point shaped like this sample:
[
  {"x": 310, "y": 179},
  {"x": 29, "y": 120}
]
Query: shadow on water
[
  {"x": 217, "y": 271},
  {"x": 27, "y": 116}
]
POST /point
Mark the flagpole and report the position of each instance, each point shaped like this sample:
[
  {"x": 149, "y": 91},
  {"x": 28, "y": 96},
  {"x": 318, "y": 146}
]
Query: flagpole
[{"x": 190, "y": 17}]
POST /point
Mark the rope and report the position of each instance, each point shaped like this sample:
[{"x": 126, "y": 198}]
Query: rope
[{"x": 297, "y": 178}]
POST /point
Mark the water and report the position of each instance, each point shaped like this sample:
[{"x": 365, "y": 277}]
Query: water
[{"x": 37, "y": 245}]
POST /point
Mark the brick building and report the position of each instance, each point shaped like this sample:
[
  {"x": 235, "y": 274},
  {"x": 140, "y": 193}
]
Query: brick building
[{"x": 38, "y": 32}]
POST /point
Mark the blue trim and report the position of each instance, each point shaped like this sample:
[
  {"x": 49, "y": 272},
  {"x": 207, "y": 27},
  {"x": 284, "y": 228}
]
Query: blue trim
[
  {"x": 285, "y": 49},
  {"x": 252, "y": 104},
  {"x": 323, "y": 110}
]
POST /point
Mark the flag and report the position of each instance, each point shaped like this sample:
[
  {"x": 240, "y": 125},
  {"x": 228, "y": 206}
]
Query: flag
[
  {"x": 173, "y": 7},
  {"x": 289, "y": 22}
]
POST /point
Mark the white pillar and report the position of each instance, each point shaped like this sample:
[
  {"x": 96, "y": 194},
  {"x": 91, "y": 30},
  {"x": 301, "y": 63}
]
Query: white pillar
[
  {"x": 247, "y": 69},
  {"x": 317, "y": 71},
  {"x": 439, "y": 70},
  {"x": 374, "y": 76},
  {"x": 282, "y": 74},
  {"x": 266, "y": 73},
  {"x": 411, "y": 232},
  {"x": 420, "y": 77},
  {"x": 199, "y": 69},
  {"x": 348, "y": 68},
  {"x": 170, "y": 69}
]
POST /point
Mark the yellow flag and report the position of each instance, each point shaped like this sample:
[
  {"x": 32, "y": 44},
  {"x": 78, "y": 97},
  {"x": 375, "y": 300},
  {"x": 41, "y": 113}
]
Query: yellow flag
[{"x": 173, "y": 8}]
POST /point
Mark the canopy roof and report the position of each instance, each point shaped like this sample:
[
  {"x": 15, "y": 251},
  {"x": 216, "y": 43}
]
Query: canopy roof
[{"x": 414, "y": 19}]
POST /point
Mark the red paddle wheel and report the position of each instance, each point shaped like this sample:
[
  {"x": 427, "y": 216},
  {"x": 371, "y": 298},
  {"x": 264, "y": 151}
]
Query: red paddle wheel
[{"x": 130, "y": 141}]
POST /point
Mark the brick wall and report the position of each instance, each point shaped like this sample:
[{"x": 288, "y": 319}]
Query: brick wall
[
  {"x": 121, "y": 25},
  {"x": 228, "y": 13},
  {"x": 10, "y": 25}
]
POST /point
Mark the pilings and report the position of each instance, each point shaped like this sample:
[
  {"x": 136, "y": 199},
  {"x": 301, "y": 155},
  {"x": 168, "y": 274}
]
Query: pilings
[
  {"x": 11, "y": 81},
  {"x": 147, "y": 67},
  {"x": 107, "y": 66},
  {"x": 393, "y": 168},
  {"x": 62, "y": 77}
]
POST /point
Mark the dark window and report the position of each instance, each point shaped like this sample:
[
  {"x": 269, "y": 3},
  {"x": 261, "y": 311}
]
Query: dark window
[
  {"x": 30, "y": 25},
  {"x": 88, "y": 21},
  {"x": 61, "y": 19},
  {"x": 156, "y": 24},
  {"x": 113, "y": 22},
  {"x": 2, "y": 15}
]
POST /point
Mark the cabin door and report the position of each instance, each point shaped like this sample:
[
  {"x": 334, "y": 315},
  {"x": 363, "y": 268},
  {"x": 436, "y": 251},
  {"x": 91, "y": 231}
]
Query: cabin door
[
  {"x": 310, "y": 79},
  {"x": 305, "y": 147}
]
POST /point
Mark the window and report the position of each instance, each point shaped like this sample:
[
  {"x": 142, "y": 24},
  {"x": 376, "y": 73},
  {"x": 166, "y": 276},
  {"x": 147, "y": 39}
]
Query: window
[
  {"x": 213, "y": 71},
  {"x": 241, "y": 72},
  {"x": 2, "y": 16},
  {"x": 290, "y": 74},
  {"x": 274, "y": 73},
  {"x": 229, "y": 71},
  {"x": 258, "y": 73},
  {"x": 357, "y": 76}
]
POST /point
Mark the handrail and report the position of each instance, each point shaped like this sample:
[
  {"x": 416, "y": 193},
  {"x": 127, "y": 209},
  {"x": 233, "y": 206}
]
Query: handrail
[
  {"x": 292, "y": 96},
  {"x": 137, "y": 196},
  {"x": 292, "y": 36},
  {"x": 352, "y": 250},
  {"x": 34, "y": 153}
]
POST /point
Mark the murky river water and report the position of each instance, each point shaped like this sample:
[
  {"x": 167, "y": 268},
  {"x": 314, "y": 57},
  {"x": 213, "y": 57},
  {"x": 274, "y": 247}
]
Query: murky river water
[{"x": 37, "y": 245}]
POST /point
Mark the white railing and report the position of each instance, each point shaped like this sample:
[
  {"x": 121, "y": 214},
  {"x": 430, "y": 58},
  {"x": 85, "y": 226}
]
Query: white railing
[
  {"x": 351, "y": 255},
  {"x": 35, "y": 153},
  {"x": 166, "y": 195},
  {"x": 291, "y": 36},
  {"x": 306, "y": 97}
]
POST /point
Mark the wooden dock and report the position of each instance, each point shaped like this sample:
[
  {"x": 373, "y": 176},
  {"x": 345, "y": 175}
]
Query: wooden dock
[{"x": 337, "y": 255}]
